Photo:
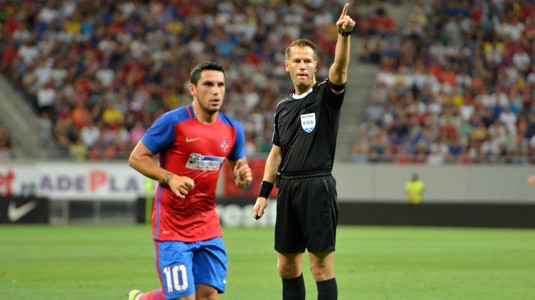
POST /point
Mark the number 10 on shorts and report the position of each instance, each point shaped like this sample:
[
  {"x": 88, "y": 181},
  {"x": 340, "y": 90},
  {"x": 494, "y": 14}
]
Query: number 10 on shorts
[{"x": 176, "y": 278}]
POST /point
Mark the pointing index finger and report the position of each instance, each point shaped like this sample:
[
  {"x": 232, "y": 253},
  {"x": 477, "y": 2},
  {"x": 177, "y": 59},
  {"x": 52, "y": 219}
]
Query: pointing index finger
[{"x": 344, "y": 11}]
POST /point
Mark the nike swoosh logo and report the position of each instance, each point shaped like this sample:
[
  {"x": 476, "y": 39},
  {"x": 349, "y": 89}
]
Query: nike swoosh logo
[
  {"x": 189, "y": 140},
  {"x": 15, "y": 213}
]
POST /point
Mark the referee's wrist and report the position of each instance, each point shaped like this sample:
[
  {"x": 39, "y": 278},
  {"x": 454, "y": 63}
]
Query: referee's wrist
[
  {"x": 265, "y": 189},
  {"x": 345, "y": 33}
]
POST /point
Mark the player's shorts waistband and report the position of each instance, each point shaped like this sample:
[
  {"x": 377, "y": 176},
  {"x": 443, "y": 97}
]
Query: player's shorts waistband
[{"x": 304, "y": 175}]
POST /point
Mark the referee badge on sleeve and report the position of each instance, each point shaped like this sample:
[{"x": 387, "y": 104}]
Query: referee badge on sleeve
[{"x": 308, "y": 122}]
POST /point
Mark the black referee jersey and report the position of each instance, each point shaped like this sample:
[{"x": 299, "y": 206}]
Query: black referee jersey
[{"x": 305, "y": 128}]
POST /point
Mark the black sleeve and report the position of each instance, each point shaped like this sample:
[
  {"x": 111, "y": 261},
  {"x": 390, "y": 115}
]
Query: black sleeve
[
  {"x": 334, "y": 101},
  {"x": 275, "y": 138}
]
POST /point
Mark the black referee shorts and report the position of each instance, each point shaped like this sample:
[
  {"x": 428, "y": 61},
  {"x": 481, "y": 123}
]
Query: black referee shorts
[{"x": 307, "y": 213}]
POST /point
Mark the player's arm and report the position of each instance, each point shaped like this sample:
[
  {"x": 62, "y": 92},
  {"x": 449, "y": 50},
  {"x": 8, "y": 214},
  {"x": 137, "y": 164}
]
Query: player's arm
[
  {"x": 339, "y": 69},
  {"x": 242, "y": 172},
  {"x": 270, "y": 176},
  {"x": 142, "y": 160}
]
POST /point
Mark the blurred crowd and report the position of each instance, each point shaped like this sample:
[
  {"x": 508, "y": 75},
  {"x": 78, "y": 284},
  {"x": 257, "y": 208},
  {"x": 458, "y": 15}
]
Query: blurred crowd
[
  {"x": 99, "y": 72},
  {"x": 456, "y": 86},
  {"x": 456, "y": 83},
  {"x": 6, "y": 153}
]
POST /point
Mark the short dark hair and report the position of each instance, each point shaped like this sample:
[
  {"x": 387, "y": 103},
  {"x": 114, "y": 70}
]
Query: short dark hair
[
  {"x": 195, "y": 73},
  {"x": 302, "y": 43}
]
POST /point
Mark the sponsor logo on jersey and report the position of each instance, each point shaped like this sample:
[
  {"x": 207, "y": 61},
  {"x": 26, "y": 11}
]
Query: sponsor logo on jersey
[
  {"x": 308, "y": 122},
  {"x": 204, "y": 163},
  {"x": 190, "y": 140}
]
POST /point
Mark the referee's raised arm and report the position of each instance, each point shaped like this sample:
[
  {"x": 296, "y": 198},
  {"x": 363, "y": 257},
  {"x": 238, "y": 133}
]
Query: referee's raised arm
[{"x": 338, "y": 70}]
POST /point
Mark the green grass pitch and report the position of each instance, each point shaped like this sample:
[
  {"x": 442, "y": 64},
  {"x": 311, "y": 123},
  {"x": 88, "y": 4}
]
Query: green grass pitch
[{"x": 87, "y": 262}]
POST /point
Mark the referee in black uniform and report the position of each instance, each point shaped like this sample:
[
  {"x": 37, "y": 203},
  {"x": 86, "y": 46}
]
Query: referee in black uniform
[{"x": 301, "y": 160}]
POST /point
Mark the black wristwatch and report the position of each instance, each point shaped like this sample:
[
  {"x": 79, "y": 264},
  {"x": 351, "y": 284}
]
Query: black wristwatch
[{"x": 345, "y": 33}]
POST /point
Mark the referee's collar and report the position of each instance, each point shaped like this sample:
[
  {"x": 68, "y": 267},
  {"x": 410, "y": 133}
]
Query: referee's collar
[{"x": 294, "y": 96}]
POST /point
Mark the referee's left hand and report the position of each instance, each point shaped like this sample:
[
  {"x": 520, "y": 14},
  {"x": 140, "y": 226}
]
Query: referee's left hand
[{"x": 259, "y": 207}]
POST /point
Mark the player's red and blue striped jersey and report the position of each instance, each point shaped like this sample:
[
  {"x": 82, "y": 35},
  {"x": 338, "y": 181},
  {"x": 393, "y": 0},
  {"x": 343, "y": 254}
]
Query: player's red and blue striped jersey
[{"x": 189, "y": 147}]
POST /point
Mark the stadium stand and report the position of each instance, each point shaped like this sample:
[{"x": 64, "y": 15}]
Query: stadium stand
[
  {"x": 456, "y": 87},
  {"x": 116, "y": 66},
  {"x": 6, "y": 153},
  {"x": 455, "y": 81}
]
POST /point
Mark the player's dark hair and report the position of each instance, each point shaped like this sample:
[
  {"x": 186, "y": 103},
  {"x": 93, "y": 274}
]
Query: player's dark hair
[
  {"x": 195, "y": 73},
  {"x": 301, "y": 43}
]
